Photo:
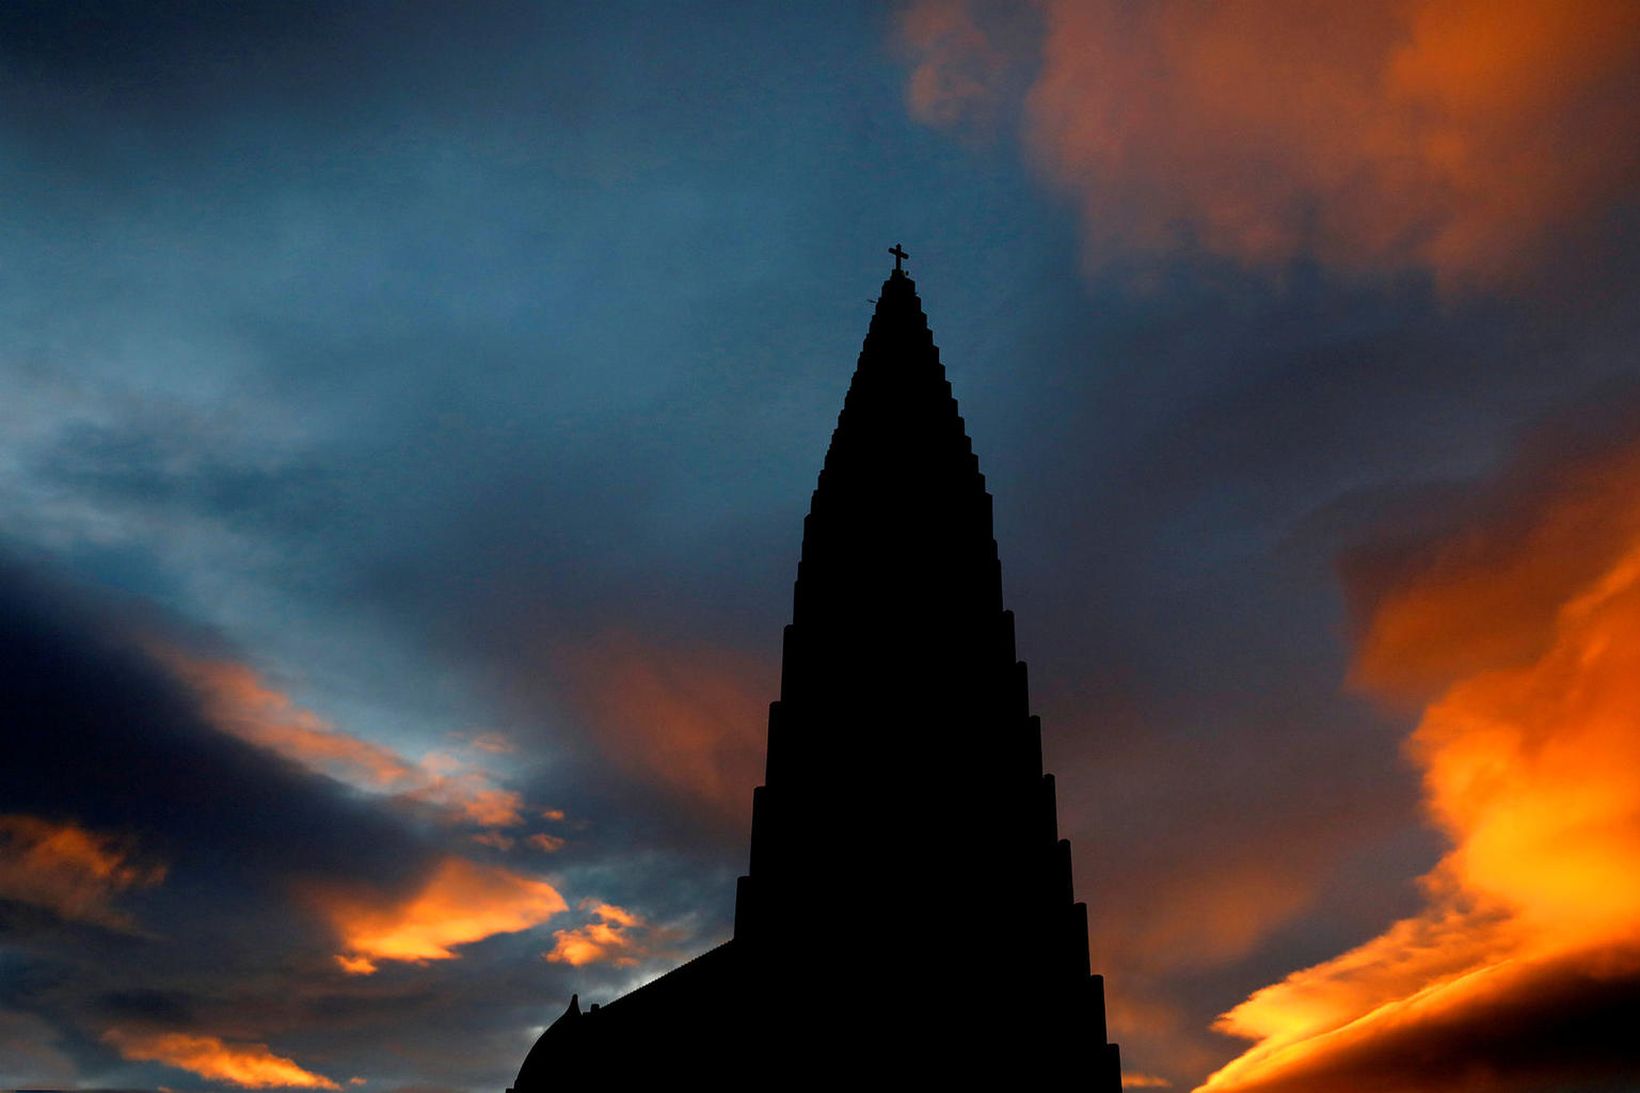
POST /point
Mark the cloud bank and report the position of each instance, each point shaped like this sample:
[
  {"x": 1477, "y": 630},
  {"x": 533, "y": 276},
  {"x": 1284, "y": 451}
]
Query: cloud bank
[
  {"x": 1526, "y": 957},
  {"x": 1465, "y": 138}
]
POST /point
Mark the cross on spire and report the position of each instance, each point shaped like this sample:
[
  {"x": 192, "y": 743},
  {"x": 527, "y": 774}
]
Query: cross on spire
[{"x": 899, "y": 256}]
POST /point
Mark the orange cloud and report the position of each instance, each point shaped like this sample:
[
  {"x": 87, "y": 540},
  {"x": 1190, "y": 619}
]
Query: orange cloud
[
  {"x": 494, "y": 743},
  {"x": 547, "y": 844},
  {"x": 689, "y": 718},
  {"x": 1531, "y": 766},
  {"x": 1214, "y": 909},
  {"x": 251, "y": 1066},
  {"x": 1145, "y": 1081},
  {"x": 958, "y": 70},
  {"x": 1489, "y": 595},
  {"x": 461, "y": 902},
  {"x": 444, "y": 781},
  {"x": 68, "y": 870},
  {"x": 616, "y": 938},
  {"x": 1458, "y": 135},
  {"x": 239, "y": 702}
]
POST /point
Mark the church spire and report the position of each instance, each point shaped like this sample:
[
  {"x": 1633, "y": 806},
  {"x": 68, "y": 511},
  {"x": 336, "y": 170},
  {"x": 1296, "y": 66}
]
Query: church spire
[{"x": 905, "y": 834}]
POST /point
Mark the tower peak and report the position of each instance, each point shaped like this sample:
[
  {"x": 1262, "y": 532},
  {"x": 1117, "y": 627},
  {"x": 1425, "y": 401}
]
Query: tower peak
[{"x": 902, "y": 703}]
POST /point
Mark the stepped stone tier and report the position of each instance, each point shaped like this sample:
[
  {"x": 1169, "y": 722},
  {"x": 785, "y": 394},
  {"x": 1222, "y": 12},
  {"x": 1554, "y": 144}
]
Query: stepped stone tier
[{"x": 908, "y": 912}]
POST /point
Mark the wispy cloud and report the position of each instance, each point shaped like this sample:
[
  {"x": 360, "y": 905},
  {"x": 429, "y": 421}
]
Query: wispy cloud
[
  {"x": 247, "y": 1065},
  {"x": 460, "y": 903},
  {"x": 617, "y": 937},
  {"x": 690, "y": 718},
  {"x": 239, "y": 701}
]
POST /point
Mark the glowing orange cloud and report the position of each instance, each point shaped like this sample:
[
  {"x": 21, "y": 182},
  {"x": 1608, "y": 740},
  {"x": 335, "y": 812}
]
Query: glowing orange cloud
[
  {"x": 461, "y": 902},
  {"x": 238, "y": 701},
  {"x": 689, "y": 718},
  {"x": 547, "y": 844},
  {"x": 1460, "y": 135},
  {"x": 68, "y": 870},
  {"x": 613, "y": 939},
  {"x": 1144, "y": 1081},
  {"x": 251, "y": 1066},
  {"x": 1531, "y": 766}
]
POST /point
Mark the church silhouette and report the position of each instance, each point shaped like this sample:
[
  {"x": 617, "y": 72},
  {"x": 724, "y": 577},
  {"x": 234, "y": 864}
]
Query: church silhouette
[{"x": 908, "y": 913}]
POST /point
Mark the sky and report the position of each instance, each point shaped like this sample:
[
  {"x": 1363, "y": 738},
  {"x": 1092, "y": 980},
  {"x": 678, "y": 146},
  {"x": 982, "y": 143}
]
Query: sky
[{"x": 409, "y": 412}]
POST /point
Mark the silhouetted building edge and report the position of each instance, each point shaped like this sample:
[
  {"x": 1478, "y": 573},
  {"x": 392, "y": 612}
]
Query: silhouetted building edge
[{"x": 908, "y": 910}]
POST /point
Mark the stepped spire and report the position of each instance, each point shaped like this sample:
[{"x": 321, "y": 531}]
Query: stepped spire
[{"x": 905, "y": 834}]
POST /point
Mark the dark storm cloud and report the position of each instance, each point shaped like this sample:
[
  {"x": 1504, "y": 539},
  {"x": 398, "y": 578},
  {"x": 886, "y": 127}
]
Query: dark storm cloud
[
  {"x": 100, "y": 734},
  {"x": 102, "y": 740},
  {"x": 99, "y": 740}
]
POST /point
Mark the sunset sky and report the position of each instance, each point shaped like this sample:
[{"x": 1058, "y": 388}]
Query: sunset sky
[{"x": 408, "y": 413}]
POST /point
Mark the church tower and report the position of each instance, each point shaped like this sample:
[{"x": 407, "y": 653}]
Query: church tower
[{"x": 908, "y": 912}]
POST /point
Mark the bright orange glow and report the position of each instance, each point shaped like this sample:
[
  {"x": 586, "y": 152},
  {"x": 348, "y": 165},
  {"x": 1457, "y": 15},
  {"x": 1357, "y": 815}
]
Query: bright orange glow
[
  {"x": 461, "y": 903},
  {"x": 1462, "y": 135},
  {"x": 68, "y": 870},
  {"x": 1145, "y": 1081},
  {"x": 611, "y": 940},
  {"x": 1531, "y": 766},
  {"x": 239, "y": 702},
  {"x": 691, "y": 719},
  {"x": 251, "y": 1066}
]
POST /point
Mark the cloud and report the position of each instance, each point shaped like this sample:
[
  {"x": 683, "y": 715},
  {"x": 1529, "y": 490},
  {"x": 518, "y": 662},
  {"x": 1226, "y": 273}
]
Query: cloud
[
  {"x": 31, "y": 1055},
  {"x": 72, "y": 872},
  {"x": 1144, "y": 1081},
  {"x": 101, "y": 732},
  {"x": 955, "y": 81},
  {"x": 461, "y": 902},
  {"x": 494, "y": 743},
  {"x": 547, "y": 844},
  {"x": 1531, "y": 767},
  {"x": 689, "y": 718},
  {"x": 250, "y": 1066},
  {"x": 240, "y": 702},
  {"x": 1462, "y": 136},
  {"x": 618, "y": 937},
  {"x": 1434, "y": 608}
]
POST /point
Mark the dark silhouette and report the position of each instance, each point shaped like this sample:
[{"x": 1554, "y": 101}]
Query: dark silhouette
[{"x": 908, "y": 913}]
